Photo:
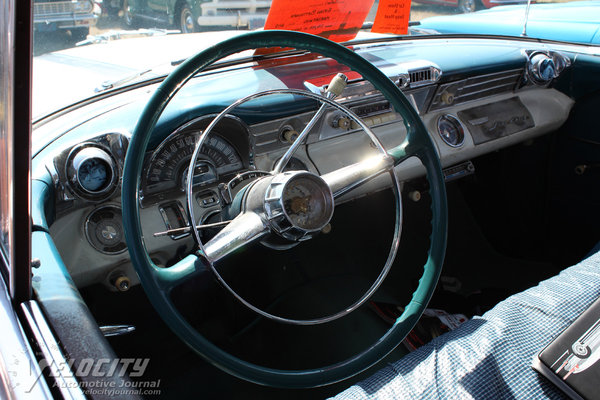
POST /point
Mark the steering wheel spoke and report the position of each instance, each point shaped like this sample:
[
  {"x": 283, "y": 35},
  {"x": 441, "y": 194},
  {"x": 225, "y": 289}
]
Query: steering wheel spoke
[
  {"x": 345, "y": 179},
  {"x": 243, "y": 229}
]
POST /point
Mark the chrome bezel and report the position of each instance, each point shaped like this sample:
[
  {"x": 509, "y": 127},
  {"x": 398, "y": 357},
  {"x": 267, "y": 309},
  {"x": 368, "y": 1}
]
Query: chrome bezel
[
  {"x": 86, "y": 228},
  {"x": 456, "y": 122},
  {"x": 278, "y": 217},
  {"x": 165, "y": 217},
  {"x": 83, "y": 153},
  {"x": 534, "y": 58}
]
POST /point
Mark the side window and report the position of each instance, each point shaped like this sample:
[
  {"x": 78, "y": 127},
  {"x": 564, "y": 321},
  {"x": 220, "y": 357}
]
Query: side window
[{"x": 6, "y": 128}]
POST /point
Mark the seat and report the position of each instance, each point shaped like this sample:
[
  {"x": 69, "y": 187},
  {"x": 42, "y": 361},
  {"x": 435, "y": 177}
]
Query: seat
[{"x": 489, "y": 357}]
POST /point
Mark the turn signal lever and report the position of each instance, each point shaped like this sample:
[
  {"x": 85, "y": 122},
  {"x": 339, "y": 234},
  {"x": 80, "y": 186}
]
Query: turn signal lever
[
  {"x": 336, "y": 86},
  {"x": 334, "y": 89}
]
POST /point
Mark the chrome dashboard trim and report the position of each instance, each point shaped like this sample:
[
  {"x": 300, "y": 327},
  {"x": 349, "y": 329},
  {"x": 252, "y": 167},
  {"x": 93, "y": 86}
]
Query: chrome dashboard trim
[
  {"x": 60, "y": 368},
  {"x": 165, "y": 217},
  {"x": 19, "y": 370},
  {"x": 475, "y": 88}
]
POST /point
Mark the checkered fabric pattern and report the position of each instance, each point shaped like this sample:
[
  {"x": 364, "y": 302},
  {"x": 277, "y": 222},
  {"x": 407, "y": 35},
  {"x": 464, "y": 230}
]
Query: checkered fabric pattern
[{"x": 489, "y": 357}]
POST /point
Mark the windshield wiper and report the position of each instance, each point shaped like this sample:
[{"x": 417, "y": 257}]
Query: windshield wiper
[
  {"x": 120, "y": 82},
  {"x": 122, "y": 34}
]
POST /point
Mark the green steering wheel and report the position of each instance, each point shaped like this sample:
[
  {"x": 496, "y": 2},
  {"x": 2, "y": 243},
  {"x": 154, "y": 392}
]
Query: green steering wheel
[{"x": 158, "y": 282}]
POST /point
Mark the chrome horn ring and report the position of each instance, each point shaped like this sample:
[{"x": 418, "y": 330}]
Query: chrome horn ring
[{"x": 263, "y": 216}]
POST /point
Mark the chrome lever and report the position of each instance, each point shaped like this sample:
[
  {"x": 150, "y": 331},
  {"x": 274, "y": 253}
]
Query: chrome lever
[
  {"x": 186, "y": 229},
  {"x": 116, "y": 330},
  {"x": 334, "y": 89}
]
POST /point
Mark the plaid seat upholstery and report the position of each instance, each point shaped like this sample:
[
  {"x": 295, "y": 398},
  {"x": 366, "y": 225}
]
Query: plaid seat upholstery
[{"x": 489, "y": 357}]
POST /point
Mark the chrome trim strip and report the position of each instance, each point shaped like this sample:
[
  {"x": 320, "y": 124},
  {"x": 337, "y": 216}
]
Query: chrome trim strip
[
  {"x": 116, "y": 330},
  {"x": 185, "y": 230},
  {"x": 477, "y": 87},
  {"x": 19, "y": 370},
  {"x": 59, "y": 367}
]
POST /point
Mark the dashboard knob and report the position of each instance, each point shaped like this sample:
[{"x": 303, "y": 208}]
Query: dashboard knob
[
  {"x": 289, "y": 135},
  {"x": 447, "y": 98},
  {"x": 415, "y": 196},
  {"x": 337, "y": 85},
  {"x": 341, "y": 122},
  {"x": 121, "y": 283}
]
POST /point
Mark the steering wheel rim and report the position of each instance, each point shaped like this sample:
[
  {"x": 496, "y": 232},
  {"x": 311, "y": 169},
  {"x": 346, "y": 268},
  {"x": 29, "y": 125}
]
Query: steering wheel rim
[{"x": 158, "y": 282}]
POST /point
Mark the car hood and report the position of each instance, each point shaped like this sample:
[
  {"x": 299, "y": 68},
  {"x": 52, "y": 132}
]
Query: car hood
[
  {"x": 64, "y": 77},
  {"x": 573, "y": 22}
]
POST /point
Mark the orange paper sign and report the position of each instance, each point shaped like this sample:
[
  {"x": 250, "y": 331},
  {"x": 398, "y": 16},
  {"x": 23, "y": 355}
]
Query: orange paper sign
[
  {"x": 338, "y": 20},
  {"x": 392, "y": 17}
]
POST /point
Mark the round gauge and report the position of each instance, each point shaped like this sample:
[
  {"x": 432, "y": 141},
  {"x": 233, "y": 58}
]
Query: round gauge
[
  {"x": 541, "y": 68},
  {"x": 92, "y": 172},
  {"x": 306, "y": 203},
  {"x": 451, "y": 130},
  {"x": 104, "y": 230},
  {"x": 167, "y": 169}
]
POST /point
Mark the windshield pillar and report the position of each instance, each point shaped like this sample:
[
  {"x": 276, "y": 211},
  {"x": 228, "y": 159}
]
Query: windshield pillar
[{"x": 15, "y": 146}]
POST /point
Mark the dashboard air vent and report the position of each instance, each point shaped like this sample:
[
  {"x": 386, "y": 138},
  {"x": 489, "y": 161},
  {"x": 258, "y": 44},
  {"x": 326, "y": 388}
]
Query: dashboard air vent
[
  {"x": 423, "y": 76},
  {"x": 420, "y": 76},
  {"x": 475, "y": 88}
]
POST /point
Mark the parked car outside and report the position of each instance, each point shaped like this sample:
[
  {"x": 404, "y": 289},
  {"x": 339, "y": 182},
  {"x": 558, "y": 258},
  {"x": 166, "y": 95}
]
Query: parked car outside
[
  {"x": 469, "y": 6},
  {"x": 76, "y": 16},
  {"x": 195, "y": 15},
  {"x": 574, "y": 21}
]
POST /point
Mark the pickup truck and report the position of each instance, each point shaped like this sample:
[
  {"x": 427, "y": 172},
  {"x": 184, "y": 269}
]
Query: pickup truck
[{"x": 197, "y": 15}]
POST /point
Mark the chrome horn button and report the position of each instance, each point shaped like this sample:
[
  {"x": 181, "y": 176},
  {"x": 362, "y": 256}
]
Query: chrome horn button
[{"x": 298, "y": 204}]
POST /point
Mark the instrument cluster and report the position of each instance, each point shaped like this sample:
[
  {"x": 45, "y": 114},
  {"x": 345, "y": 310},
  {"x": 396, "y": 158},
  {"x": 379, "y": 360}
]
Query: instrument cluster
[{"x": 225, "y": 155}]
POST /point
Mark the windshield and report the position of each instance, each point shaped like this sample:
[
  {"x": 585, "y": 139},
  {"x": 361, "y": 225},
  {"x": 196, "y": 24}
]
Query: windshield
[{"x": 86, "y": 47}]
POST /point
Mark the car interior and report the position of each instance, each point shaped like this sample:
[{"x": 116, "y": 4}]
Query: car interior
[{"x": 323, "y": 204}]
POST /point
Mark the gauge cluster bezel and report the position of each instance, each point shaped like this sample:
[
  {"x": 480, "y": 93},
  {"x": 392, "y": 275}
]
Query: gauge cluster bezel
[
  {"x": 86, "y": 154},
  {"x": 110, "y": 148},
  {"x": 230, "y": 129}
]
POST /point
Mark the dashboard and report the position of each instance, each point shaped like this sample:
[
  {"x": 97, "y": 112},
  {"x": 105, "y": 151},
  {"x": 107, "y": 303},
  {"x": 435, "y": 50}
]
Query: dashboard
[{"x": 468, "y": 112}]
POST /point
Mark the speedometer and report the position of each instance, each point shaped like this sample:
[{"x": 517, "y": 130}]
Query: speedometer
[{"x": 167, "y": 168}]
